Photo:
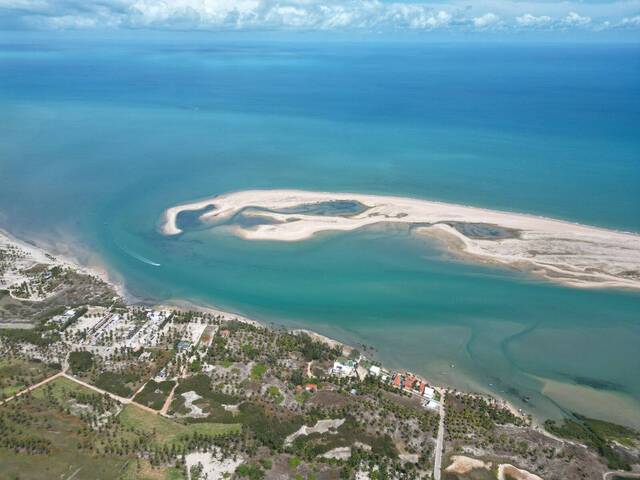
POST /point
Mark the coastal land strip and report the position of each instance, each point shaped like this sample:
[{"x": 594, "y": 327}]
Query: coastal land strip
[
  {"x": 31, "y": 274},
  {"x": 560, "y": 251}
]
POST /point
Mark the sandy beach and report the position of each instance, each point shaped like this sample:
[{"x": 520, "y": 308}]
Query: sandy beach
[
  {"x": 31, "y": 254},
  {"x": 564, "y": 252},
  {"x": 185, "y": 305}
]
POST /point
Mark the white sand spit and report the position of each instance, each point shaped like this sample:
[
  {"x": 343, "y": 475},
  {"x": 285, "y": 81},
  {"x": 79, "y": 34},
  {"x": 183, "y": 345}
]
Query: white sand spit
[{"x": 561, "y": 251}]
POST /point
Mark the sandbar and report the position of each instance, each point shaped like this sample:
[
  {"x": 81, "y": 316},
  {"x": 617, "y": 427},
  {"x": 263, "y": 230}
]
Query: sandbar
[{"x": 564, "y": 252}]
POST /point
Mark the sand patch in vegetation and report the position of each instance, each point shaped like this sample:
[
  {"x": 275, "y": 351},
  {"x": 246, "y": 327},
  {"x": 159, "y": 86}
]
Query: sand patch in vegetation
[
  {"x": 462, "y": 465},
  {"x": 509, "y": 472},
  {"x": 321, "y": 426}
]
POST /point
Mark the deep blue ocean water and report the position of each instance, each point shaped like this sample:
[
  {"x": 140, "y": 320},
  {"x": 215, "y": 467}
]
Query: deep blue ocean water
[{"x": 97, "y": 139}]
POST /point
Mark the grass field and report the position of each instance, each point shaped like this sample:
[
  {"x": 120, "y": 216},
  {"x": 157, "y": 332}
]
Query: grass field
[
  {"x": 17, "y": 374},
  {"x": 59, "y": 388},
  {"x": 143, "y": 470},
  {"x": 71, "y": 442},
  {"x": 166, "y": 431},
  {"x": 257, "y": 371},
  {"x": 39, "y": 418}
]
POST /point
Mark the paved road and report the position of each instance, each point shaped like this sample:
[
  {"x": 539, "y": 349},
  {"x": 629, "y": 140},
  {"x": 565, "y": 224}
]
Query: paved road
[{"x": 437, "y": 464}]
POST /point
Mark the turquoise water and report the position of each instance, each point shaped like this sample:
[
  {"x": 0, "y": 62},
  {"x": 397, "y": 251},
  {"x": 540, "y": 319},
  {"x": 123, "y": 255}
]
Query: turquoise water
[{"x": 96, "y": 141}]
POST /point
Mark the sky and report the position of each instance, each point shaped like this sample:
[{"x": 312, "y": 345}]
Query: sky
[{"x": 545, "y": 18}]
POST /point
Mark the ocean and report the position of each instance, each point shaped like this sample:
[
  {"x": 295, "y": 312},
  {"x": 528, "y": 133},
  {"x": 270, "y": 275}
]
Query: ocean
[{"x": 97, "y": 138}]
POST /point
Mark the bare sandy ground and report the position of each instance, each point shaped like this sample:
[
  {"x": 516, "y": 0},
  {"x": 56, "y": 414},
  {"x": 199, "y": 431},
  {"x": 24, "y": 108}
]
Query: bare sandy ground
[
  {"x": 569, "y": 253},
  {"x": 214, "y": 465},
  {"x": 515, "y": 473},
  {"x": 321, "y": 426},
  {"x": 339, "y": 453},
  {"x": 462, "y": 465}
]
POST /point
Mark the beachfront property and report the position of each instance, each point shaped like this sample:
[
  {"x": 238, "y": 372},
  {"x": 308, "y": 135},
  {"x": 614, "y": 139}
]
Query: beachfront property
[
  {"x": 428, "y": 392},
  {"x": 412, "y": 384},
  {"x": 343, "y": 367}
]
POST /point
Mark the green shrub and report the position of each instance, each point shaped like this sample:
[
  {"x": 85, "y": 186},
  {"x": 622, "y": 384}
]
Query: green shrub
[{"x": 80, "y": 361}]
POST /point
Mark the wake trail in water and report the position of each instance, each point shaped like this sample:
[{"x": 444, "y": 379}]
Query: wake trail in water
[{"x": 139, "y": 257}]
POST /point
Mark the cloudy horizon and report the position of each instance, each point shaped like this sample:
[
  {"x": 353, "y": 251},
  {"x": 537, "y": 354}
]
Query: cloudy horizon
[{"x": 368, "y": 16}]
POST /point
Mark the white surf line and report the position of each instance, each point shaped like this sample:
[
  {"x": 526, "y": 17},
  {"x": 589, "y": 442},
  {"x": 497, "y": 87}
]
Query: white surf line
[{"x": 561, "y": 251}]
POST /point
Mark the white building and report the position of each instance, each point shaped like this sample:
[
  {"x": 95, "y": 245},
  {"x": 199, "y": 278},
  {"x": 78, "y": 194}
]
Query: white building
[
  {"x": 375, "y": 370},
  {"x": 343, "y": 368},
  {"x": 431, "y": 405},
  {"x": 428, "y": 393}
]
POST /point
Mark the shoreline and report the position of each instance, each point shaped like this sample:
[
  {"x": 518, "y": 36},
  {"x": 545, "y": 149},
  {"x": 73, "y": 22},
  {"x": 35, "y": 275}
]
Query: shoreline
[
  {"x": 227, "y": 315},
  {"x": 572, "y": 254},
  {"x": 41, "y": 254}
]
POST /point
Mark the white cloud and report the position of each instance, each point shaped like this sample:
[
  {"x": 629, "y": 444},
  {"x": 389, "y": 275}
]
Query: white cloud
[
  {"x": 486, "y": 20},
  {"x": 630, "y": 22},
  {"x": 24, "y": 4},
  {"x": 367, "y": 15},
  {"x": 529, "y": 20},
  {"x": 575, "y": 20}
]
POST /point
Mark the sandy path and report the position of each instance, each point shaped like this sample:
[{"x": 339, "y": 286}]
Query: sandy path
[
  {"x": 437, "y": 463},
  {"x": 32, "y": 387},
  {"x": 622, "y": 473}
]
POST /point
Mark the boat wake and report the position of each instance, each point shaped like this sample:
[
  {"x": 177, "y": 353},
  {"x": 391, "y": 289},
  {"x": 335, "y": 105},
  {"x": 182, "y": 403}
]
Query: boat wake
[{"x": 140, "y": 257}]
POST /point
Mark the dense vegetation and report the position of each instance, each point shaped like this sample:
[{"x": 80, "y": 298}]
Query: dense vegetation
[
  {"x": 80, "y": 362},
  {"x": 154, "y": 393}
]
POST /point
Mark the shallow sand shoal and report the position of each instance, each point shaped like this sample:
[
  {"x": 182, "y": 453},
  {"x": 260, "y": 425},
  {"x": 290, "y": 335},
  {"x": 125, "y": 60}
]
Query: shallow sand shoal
[{"x": 569, "y": 253}]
